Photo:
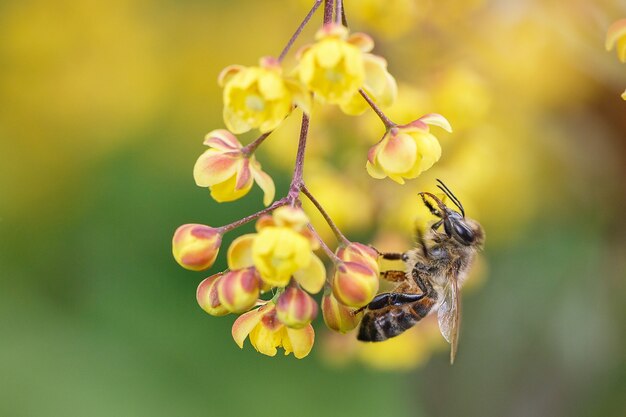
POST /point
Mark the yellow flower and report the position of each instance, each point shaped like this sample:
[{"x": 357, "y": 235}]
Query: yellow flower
[
  {"x": 266, "y": 333},
  {"x": 616, "y": 37},
  {"x": 227, "y": 171},
  {"x": 282, "y": 249},
  {"x": 259, "y": 97},
  {"x": 195, "y": 246},
  {"x": 406, "y": 151},
  {"x": 338, "y": 65},
  {"x": 356, "y": 279}
]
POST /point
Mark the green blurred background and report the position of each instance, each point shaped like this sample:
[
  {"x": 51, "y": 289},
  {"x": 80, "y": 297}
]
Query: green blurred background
[{"x": 103, "y": 107}]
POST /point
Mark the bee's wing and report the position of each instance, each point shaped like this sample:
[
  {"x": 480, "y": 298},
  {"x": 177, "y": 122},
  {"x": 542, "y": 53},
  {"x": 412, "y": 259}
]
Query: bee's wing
[{"x": 448, "y": 315}]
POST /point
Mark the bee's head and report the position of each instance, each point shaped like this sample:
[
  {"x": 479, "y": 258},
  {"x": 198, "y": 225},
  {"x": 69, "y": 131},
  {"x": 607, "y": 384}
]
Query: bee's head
[{"x": 465, "y": 231}]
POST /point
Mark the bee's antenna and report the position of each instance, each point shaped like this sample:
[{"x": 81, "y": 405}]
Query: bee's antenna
[{"x": 449, "y": 193}]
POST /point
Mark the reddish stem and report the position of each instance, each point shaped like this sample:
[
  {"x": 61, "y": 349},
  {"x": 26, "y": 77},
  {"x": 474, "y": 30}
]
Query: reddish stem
[
  {"x": 328, "y": 11},
  {"x": 251, "y": 147},
  {"x": 297, "y": 181},
  {"x": 386, "y": 121},
  {"x": 340, "y": 237},
  {"x": 299, "y": 30},
  {"x": 227, "y": 228},
  {"x": 331, "y": 255}
]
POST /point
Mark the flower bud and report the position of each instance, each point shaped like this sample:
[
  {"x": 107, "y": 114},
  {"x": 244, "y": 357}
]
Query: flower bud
[
  {"x": 207, "y": 297},
  {"x": 355, "y": 284},
  {"x": 360, "y": 253},
  {"x": 295, "y": 308},
  {"x": 337, "y": 316},
  {"x": 195, "y": 246},
  {"x": 239, "y": 290}
]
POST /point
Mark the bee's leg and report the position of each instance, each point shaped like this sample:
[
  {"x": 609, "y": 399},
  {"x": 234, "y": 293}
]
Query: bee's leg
[
  {"x": 435, "y": 226},
  {"x": 393, "y": 276},
  {"x": 430, "y": 207},
  {"x": 394, "y": 256},
  {"x": 424, "y": 285},
  {"x": 391, "y": 298}
]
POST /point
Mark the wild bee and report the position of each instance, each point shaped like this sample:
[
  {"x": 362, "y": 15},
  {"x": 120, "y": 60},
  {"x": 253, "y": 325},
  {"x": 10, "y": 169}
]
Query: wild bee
[{"x": 434, "y": 273}]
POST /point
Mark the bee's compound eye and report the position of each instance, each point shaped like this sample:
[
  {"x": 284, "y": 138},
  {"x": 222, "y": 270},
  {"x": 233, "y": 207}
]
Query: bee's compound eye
[{"x": 464, "y": 233}]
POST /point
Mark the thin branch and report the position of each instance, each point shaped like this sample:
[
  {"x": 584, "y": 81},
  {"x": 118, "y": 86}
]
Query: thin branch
[
  {"x": 386, "y": 121},
  {"x": 339, "y": 12},
  {"x": 296, "y": 181},
  {"x": 299, "y": 30},
  {"x": 324, "y": 246},
  {"x": 340, "y": 237},
  {"x": 227, "y": 228},
  {"x": 328, "y": 11},
  {"x": 251, "y": 147}
]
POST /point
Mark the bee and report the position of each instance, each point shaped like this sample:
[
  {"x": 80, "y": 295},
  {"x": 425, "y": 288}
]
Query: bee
[{"x": 433, "y": 276}]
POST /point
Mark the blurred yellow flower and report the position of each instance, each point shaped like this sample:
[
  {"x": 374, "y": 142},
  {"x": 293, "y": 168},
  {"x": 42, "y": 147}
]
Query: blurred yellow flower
[
  {"x": 338, "y": 65},
  {"x": 266, "y": 333},
  {"x": 228, "y": 171},
  {"x": 259, "y": 97},
  {"x": 406, "y": 151},
  {"x": 337, "y": 316},
  {"x": 616, "y": 37}
]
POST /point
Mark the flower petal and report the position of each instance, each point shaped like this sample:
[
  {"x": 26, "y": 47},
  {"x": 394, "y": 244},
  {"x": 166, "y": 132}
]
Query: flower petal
[
  {"x": 398, "y": 154},
  {"x": 312, "y": 277},
  {"x": 300, "y": 95},
  {"x": 225, "y": 191},
  {"x": 244, "y": 176},
  {"x": 234, "y": 122},
  {"x": 362, "y": 41},
  {"x": 213, "y": 168},
  {"x": 239, "y": 253},
  {"x": 222, "y": 139},
  {"x": 265, "y": 182},
  {"x": 227, "y": 73},
  {"x": 244, "y": 325},
  {"x": 435, "y": 119},
  {"x": 374, "y": 171},
  {"x": 300, "y": 341},
  {"x": 615, "y": 31}
]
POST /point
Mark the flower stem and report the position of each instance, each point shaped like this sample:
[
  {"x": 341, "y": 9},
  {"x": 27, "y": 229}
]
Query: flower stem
[
  {"x": 251, "y": 147},
  {"x": 323, "y": 245},
  {"x": 295, "y": 35},
  {"x": 386, "y": 121},
  {"x": 339, "y": 12},
  {"x": 340, "y": 237},
  {"x": 328, "y": 11},
  {"x": 296, "y": 181},
  {"x": 227, "y": 228}
]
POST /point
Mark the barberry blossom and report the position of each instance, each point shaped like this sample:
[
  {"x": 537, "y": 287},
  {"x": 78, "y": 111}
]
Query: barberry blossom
[
  {"x": 228, "y": 171},
  {"x": 406, "y": 151},
  {"x": 283, "y": 248},
  {"x": 195, "y": 246},
  {"x": 259, "y": 97},
  {"x": 616, "y": 37},
  {"x": 207, "y": 297},
  {"x": 338, "y": 65},
  {"x": 266, "y": 333},
  {"x": 356, "y": 278},
  {"x": 295, "y": 308},
  {"x": 337, "y": 316},
  {"x": 238, "y": 290}
]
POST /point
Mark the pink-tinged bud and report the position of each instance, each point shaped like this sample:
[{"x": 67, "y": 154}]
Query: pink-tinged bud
[
  {"x": 207, "y": 297},
  {"x": 195, "y": 246},
  {"x": 359, "y": 253},
  {"x": 295, "y": 308},
  {"x": 355, "y": 284},
  {"x": 239, "y": 290},
  {"x": 337, "y": 316}
]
